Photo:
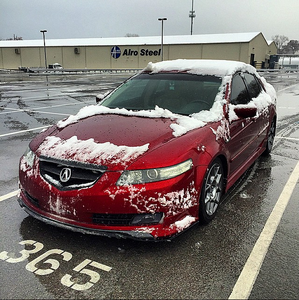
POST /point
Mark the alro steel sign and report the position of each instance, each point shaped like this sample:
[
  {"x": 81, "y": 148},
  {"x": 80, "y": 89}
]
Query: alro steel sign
[{"x": 116, "y": 52}]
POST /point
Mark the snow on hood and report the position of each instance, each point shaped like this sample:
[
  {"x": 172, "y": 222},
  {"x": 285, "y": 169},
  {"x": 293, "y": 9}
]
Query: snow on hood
[
  {"x": 201, "y": 66},
  {"x": 88, "y": 151}
]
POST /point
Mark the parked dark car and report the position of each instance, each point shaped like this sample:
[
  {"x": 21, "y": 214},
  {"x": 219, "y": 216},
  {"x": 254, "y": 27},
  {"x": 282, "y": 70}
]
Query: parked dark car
[{"x": 155, "y": 155}]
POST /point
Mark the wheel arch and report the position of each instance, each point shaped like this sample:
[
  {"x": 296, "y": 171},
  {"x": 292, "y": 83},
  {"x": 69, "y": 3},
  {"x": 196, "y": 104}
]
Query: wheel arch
[
  {"x": 275, "y": 120},
  {"x": 268, "y": 150},
  {"x": 225, "y": 168}
]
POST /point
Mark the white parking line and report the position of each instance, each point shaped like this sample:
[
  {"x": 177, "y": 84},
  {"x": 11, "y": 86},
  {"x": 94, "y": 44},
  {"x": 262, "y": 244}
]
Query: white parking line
[
  {"x": 287, "y": 87},
  {"x": 13, "y": 111},
  {"x": 287, "y": 138},
  {"x": 7, "y": 110},
  {"x": 46, "y": 112},
  {"x": 10, "y": 195},
  {"x": 23, "y": 131},
  {"x": 246, "y": 280}
]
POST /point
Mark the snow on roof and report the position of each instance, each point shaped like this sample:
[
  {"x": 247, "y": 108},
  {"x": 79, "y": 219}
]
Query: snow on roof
[
  {"x": 200, "y": 66},
  {"x": 147, "y": 40}
]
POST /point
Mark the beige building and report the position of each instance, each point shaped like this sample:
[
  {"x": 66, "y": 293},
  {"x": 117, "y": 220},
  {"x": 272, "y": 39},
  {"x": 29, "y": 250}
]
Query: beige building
[{"x": 135, "y": 52}]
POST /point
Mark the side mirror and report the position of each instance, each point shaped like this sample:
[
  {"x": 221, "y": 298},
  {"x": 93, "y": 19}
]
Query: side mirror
[
  {"x": 99, "y": 97},
  {"x": 245, "y": 112}
]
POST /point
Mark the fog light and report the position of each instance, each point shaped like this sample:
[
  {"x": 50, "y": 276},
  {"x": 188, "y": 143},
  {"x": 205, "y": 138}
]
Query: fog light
[{"x": 147, "y": 219}]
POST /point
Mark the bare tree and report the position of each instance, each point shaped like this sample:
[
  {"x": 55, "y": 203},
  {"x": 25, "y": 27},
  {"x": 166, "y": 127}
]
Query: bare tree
[
  {"x": 291, "y": 48},
  {"x": 131, "y": 35},
  {"x": 15, "y": 38},
  {"x": 280, "y": 41}
]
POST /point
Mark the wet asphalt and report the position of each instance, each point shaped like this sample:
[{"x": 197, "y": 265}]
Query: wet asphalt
[{"x": 203, "y": 263}]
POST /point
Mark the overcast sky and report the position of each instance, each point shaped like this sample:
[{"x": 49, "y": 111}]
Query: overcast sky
[{"x": 115, "y": 18}]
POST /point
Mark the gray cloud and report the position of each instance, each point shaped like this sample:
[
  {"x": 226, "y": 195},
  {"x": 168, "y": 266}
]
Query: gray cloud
[{"x": 116, "y": 18}]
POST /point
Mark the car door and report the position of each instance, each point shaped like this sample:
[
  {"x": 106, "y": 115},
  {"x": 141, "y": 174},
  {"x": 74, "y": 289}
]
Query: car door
[
  {"x": 261, "y": 120},
  {"x": 242, "y": 129}
]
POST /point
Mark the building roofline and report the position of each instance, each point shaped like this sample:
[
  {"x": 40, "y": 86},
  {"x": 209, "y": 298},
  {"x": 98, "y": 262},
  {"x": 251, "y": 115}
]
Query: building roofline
[{"x": 137, "y": 41}]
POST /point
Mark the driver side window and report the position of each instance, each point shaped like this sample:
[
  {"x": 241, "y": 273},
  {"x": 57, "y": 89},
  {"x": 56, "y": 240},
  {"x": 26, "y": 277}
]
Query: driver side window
[{"x": 239, "y": 93}]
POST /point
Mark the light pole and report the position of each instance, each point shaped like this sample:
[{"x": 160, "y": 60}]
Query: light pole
[
  {"x": 162, "y": 20},
  {"x": 44, "y": 38},
  {"x": 192, "y": 15}
]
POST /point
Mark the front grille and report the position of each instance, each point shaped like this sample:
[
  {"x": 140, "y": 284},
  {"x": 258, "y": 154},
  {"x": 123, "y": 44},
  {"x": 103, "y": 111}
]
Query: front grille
[
  {"x": 127, "y": 219},
  {"x": 81, "y": 174},
  {"x": 113, "y": 219}
]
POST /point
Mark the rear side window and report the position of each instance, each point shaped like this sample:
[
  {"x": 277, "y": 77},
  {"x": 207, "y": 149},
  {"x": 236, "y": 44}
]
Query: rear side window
[
  {"x": 254, "y": 88},
  {"x": 239, "y": 94}
]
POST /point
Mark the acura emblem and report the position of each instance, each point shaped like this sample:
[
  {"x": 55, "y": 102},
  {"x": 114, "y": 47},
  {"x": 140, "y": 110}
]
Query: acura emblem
[{"x": 65, "y": 174}]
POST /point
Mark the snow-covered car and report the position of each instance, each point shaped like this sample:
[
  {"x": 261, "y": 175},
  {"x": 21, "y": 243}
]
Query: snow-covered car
[
  {"x": 155, "y": 156},
  {"x": 56, "y": 66}
]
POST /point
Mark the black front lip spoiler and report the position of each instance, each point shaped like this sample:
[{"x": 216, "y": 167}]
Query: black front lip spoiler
[{"x": 120, "y": 234}]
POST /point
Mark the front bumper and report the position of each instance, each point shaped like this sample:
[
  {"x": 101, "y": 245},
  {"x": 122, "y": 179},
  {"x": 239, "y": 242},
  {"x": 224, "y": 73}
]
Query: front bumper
[
  {"x": 120, "y": 234},
  {"x": 77, "y": 210}
]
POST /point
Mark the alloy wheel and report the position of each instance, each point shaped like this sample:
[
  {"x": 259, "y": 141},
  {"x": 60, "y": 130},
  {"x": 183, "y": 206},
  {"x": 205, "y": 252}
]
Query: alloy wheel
[{"x": 211, "y": 192}]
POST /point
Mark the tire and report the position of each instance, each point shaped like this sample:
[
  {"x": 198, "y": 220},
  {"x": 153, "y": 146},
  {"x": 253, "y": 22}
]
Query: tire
[
  {"x": 211, "y": 192},
  {"x": 270, "y": 138}
]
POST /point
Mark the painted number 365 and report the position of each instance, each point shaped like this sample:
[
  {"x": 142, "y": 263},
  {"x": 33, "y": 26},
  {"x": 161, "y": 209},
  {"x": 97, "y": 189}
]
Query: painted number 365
[{"x": 66, "y": 280}]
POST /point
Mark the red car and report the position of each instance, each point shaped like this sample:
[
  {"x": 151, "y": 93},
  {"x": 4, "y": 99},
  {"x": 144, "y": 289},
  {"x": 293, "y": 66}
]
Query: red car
[{"x": 155, "y": 156}]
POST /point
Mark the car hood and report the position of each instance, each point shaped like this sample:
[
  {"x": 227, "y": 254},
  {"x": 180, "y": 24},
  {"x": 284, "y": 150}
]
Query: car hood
[{"x": 111, "y": 140}]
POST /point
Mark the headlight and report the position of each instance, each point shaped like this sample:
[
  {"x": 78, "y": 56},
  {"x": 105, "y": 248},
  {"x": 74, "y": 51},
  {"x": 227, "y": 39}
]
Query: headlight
[
  {"x": 29, "y": 157},
  {"x": 152, "y": 175}
]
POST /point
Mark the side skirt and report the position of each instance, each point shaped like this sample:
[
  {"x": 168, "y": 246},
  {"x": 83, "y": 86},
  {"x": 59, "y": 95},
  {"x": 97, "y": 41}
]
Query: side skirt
[{"x": 234, "y": 177}]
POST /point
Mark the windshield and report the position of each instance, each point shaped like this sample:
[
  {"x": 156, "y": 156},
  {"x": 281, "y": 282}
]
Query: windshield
[{"x": 180, "y": 93}]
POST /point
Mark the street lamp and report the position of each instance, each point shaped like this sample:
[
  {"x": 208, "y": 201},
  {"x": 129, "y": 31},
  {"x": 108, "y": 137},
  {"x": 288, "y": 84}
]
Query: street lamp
[
  {"x": 192, "y": 15},
  {"x": 44, "y": 38},
  {"x": 162, "y": 19}
]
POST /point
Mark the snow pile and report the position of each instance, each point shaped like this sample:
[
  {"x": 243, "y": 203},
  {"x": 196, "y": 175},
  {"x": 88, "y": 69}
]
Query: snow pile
[
  {"x": 186, "y": 123},
  {"x": 270, "y": 89},
  {"x": 185, "y": 223},
  {"x": 88, "y": 151},
  {"x": 262, "y": 101},
  {"x": 93, "y": 110},
  {"x": 222, "y": 131}
]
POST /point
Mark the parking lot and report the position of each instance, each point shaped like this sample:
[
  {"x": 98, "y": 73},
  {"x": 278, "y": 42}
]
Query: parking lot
[{"x": 41, "y": 261}]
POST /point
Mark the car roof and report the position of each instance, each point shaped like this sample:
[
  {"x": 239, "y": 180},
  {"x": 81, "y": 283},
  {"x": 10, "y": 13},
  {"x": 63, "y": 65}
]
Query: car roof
[{"x": 200, "y": 67}]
